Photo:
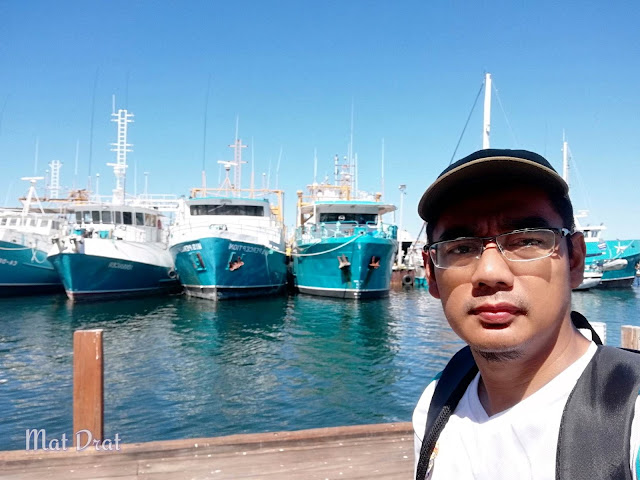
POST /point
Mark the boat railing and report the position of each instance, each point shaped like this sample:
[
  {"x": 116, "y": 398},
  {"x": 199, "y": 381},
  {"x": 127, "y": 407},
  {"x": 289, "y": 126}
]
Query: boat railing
[
  {"x": 273, "y": 232},
  {"x": 307, "y": 233},
  {"x": 130, "y": 233}
]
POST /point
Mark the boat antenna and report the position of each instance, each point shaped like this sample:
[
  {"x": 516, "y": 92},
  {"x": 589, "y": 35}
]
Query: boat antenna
[
  {"x": 486, "y": 127},
  {"x": 382, "y": 174},
  {"x": 35, "y": 158},
  {"x": 315, "y": 165},
  {"x": 278, "y": 168},
  {"x": 467, "y": 122},
  {"x": 75, "y": 169},
  {"x": 237, "y": 159},
  {"x": 253, "y": 163},
  {"x": 93, "y": 111},
  {"x": 204, "y": 134}
]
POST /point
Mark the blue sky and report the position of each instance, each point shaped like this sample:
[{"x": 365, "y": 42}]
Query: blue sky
[{"x": 292, "y": 69}]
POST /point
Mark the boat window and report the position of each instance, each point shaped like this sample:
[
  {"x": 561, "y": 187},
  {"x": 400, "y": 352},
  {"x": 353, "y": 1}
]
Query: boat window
[
  {"x": 33, "y": 222},
  {"x": 240, "y": 210},
  {"x": 78, "y": 217},
  {"x": 150, "y": 220},
  {"x": 56, "y": 225},
  {"x": 359, "y": 218},
  {"x": 95, "y": 216},
  {"x": 127, "y": 218},
  {"x": 13, "y": 222},
  {"x": 139, "y": 218},
  {"x": 106, "y": 216},
  {"x": 118, "y": 217},
  {"x": 45, "y": 223},
  {"x": 3, "y": 221},
  {"x": 87, "y": 217}
]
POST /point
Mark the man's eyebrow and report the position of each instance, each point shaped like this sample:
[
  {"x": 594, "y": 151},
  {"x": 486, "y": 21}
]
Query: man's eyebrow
[
  {"x": 528, "y": 222},
  {"x": 456, "y": 232}
]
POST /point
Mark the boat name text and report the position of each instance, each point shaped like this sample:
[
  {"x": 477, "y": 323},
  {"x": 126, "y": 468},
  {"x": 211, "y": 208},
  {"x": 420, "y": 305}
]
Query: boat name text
[
  {"x": 246, "y": 249},
  {"x": 5, "y": 261},
  {"x": 191, "y": 247},
  {"x": 121, "y": 266}
]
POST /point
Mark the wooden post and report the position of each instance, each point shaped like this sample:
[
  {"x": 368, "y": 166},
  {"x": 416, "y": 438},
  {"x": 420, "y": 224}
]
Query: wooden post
[
  {"x": 88, "y": 400},
  {"x": 630, "y": 337}
]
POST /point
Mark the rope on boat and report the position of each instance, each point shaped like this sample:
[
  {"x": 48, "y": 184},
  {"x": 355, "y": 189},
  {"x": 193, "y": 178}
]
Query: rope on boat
[{"x": 327, "y": 251}]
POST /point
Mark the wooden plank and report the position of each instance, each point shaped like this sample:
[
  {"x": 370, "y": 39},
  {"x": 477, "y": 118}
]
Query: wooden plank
[
  {"x": 88, "y": 400},
  {"x": 360, "y": 452},
  {"x": 630, "y": 337}
]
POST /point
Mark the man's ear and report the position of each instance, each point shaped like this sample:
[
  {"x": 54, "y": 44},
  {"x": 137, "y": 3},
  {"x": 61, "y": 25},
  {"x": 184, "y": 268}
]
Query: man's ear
[
  {"x": 576, "y": 261},
  {"x": 429, "y": 268}
]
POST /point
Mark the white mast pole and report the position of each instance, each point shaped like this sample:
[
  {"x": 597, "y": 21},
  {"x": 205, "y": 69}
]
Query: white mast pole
[
  {"x": 252, "y": 167},
  {"x": 315, "y": 165},
  {"x": 382, "y": 176},
  {"x": 565, "y": 159},
  {"x": 75, "y": 171},
  {"x": 486, "y": 128}
]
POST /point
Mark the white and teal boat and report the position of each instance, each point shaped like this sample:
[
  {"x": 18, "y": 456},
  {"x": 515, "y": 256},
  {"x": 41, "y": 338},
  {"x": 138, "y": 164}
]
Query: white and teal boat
[
  {"x": 617, "y": 259},
  {"x": 25, "y": 238},
  {"x": 228, "y": 242},
  {"x": 342, "y": 246},
  {"x": 113, "y": 251}
]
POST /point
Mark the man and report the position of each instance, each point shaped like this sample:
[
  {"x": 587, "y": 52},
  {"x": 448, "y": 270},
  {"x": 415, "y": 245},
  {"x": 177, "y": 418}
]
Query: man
[{"x": 502, "y": 257}]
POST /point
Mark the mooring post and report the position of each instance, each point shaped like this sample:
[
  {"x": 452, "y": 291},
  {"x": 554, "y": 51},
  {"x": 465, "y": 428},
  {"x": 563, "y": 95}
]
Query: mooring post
[
  {"x": 630, "y": 337},
  {"x": 88, "y": 400}
]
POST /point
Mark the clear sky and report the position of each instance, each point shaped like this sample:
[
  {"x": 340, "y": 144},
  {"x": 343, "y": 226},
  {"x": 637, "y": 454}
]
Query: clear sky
[{"x": 291, "y": 70}]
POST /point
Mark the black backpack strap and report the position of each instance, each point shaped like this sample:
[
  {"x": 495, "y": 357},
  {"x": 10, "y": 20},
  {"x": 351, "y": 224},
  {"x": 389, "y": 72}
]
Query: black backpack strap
[
  {"x": 596, "y": 422},
  {"x": 455, "y": 379},
  {"x": 580, "y": 322}
]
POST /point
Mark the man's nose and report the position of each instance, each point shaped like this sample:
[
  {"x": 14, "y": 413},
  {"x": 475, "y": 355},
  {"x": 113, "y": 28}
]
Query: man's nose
[{"x": 492, "y": 269}]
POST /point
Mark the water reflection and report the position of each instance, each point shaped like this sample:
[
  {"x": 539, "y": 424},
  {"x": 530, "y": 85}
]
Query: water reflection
[{"x": 177, "y": 367}]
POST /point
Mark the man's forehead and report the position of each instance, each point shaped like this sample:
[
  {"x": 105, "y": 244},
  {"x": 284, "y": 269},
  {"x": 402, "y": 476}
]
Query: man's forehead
[{"x": 506, "y": 210}]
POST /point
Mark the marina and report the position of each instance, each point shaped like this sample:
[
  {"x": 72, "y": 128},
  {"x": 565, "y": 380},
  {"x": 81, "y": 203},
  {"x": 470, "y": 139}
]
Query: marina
[{"x": 179, "y": 368}]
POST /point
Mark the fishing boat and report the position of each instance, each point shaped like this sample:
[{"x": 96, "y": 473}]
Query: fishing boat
[
  {"x": 114, "y": 248},
  {"x": 229, "y": 242},
  {"x": 615, "y": 260},
  {"x": 25, "y": 238},
  {"x": 342, "y": 247}
]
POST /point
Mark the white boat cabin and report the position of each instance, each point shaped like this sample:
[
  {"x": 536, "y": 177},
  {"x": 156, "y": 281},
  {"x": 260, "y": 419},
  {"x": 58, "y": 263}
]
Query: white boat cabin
[
  {"x": 117, "y": 222},
  {"x": 344, "y": 218}
]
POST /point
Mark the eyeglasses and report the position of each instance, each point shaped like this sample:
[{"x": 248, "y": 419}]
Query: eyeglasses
[{"x": 517, "y": 246}]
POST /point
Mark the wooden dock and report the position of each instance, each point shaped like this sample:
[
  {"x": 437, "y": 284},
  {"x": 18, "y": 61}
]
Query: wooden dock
[{"x": 383, "y": 451}]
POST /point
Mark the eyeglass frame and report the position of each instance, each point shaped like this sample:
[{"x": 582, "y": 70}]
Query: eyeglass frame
[{"x": 563, "y": 232}]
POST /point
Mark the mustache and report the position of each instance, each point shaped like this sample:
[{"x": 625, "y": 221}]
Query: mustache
[{"x": 500, "y": 297}]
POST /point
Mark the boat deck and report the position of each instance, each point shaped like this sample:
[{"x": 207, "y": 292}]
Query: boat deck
[{"x": 382, "y": 451}]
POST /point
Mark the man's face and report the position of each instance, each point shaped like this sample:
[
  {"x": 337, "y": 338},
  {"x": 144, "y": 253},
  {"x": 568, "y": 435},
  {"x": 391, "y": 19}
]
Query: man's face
[{"x": 497, "y": 305}]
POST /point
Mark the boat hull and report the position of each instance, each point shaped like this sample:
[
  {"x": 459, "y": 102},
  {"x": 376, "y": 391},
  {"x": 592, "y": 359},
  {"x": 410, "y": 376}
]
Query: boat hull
[
  {"x": 627, "y": 251},
  {"x": 318, "y": 273},
  {"x": 217, "y": 268},
  {"x": 93, "y": 277},
  {"x": 24, "y": 271}
]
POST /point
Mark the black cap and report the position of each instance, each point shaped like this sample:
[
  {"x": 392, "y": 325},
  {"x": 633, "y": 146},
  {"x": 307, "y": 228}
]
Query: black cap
[{"x": 489, "y": 167}]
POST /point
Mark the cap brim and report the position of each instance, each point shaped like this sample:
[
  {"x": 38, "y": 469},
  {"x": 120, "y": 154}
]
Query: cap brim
[{"x": 487, "y": 170}]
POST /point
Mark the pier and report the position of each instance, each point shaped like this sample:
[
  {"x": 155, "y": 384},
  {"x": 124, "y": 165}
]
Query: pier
[{"x": 383, "y": 451}]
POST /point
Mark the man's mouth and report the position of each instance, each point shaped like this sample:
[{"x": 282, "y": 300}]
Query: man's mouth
[{"x": 496, "y": 316}]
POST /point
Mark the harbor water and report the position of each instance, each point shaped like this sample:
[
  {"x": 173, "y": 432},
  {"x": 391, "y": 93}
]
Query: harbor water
[{"x": 178, "y": 367}]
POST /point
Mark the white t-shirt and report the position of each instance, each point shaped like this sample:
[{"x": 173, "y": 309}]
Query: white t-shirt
[{"x": 519, "y": 442}]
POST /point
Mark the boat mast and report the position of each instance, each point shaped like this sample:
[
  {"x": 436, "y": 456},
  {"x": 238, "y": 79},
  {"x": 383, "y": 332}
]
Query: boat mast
[
  {"x": 122, "y": 119},
  {"x": 54, "y": 186},
  {"x": 237, "y": 160},
  {"x": 565, "y": 159},
  {"x": 486, "y": 127}
]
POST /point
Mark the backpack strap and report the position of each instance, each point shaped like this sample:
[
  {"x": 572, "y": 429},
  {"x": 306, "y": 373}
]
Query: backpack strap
[
  {"x": 596, "y": 422},
  {"x": 455, "y": 379}
]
